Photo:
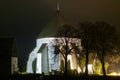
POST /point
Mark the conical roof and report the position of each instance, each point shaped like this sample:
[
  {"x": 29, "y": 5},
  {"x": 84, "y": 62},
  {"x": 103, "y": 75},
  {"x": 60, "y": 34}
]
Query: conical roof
[{"x": 51, "y": 28}]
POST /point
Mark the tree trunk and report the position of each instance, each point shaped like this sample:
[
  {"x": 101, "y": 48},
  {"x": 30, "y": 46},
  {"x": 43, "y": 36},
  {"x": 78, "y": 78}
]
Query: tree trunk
[
  {"x": 103, "y": 67},
  {"x": 86, "y": 64},
  {"x": 65, "y": 71},
  {"x": 66, "y": 54}
]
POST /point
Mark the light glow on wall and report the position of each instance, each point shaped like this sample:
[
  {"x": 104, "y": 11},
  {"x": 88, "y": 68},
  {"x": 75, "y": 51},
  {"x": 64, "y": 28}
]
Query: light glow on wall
[
  {"x": 69, "y": 57},
  {"x": 39, "y": 64},
  {"x": 90, "y": 68},
  {"x": 79, "y": 70},
  {"x": 14, "y": 65}
]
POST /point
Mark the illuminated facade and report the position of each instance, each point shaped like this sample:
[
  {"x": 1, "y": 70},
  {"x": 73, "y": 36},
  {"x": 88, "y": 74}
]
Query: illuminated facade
[
  {"x": 46, "y": 59},
  {"x": 43, "y": 53}
]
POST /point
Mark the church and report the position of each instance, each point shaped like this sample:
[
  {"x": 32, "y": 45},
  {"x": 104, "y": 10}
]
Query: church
[
  {"x": 42, "y": 58},
  {"x": 8, "y": 57}
]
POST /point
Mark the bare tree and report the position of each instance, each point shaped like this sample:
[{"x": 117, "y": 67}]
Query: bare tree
[
  {"x": 85, "y": 34},
  {"x": 97, "y": 38},
  {"x": 104, "y": 41},
  {"x": 64, "y": 43}
]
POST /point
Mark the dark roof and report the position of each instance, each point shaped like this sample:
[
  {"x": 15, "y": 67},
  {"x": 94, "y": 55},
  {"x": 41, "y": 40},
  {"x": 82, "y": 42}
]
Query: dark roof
[
  {"x": 42, "y": 48},
  {"x": 8, "y": 46},
  {"x": 51, "y": 28}
]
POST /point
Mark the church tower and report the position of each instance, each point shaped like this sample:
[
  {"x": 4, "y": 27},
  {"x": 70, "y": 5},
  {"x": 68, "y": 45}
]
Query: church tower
[
  {"x": 8, "y": 56},
  {"x": 14, "y": 59}
]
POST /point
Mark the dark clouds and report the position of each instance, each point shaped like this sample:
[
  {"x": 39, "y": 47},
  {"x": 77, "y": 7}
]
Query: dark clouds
[{"x": 24, "y": 19}]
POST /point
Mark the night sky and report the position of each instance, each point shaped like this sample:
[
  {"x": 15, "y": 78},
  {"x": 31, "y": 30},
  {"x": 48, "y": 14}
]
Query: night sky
[{"x": 24, "y": 19}]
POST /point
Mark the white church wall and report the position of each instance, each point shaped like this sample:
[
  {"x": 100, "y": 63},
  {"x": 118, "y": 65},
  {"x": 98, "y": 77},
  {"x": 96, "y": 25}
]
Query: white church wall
[
  {"x": 90, "y": 69},
  {"x": 39, "y": 63},
  {"x": 14, "y": 65},
  {"x": 53, "y": 64},
  {"x": 32, "y": 57},
  {"x": 53, "y": 59},
  {"x": 45, "y": 60}
]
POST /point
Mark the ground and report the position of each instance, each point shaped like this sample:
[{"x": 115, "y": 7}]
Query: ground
[{"x": 61, "y": 77}]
